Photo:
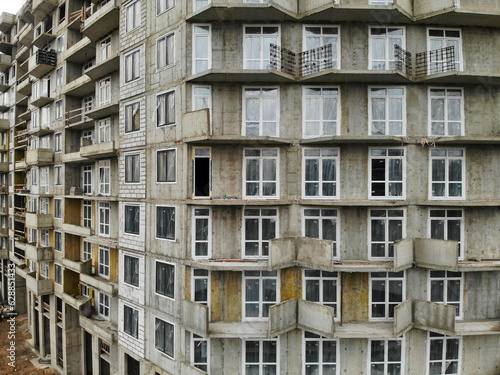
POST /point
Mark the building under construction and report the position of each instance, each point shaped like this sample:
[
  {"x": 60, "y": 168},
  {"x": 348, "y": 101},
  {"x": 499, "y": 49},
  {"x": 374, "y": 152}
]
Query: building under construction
[{"x": 253, "y": 187}]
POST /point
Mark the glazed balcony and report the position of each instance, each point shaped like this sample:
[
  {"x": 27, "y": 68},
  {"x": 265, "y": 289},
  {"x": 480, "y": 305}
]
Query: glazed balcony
[
  {"x": 42, "y": 8},
  {"x": 26, "y": 35},
  {"x": 42, "y": 221},
  {"x": 105, "y": 20},
  {"x": 40, "y": 156},
  {"x": 42, "y": 63},
  {"x": 7, "y": 20}
]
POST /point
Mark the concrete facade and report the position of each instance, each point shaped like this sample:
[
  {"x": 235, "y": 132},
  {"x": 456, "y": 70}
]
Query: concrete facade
[{"x": 179, "y": 197}]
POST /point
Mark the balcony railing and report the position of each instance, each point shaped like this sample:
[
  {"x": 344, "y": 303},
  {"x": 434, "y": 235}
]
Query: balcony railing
[
  {"x": 46, "y": 57},
  {"x": 436, "y": 61},
  {"x": 283, "y": 59},
  {"x": 316, "y": 60},
  {"x": 403, "y": 60}
]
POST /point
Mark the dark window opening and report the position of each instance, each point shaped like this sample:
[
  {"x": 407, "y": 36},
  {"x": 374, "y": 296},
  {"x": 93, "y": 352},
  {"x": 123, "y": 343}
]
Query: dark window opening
[
  {"x": 133, "y": 366},
  {"x": 202, "y": 177}
]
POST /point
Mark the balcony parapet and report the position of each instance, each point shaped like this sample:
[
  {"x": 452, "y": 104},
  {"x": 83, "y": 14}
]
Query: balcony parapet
[
  {"x": 7, "y": 20},
  {"x": 99, "y": 283},
  {"x": 103, "y": 21},
  {"x": 40, "y": 156},
  {"x": 39, "y": 220},
  {"x": 99, "y": 150},
  {"x": 39, "y": 254},
  {"x": 99, "y": 327}
]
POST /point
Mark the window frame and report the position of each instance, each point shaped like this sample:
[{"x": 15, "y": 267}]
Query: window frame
[
  {"x": 259, "y": 240},
  {"x": 446, "y": 181},
  {"x": 461, "y": 64},
  {"x": 136, "y": 11},
  {"x": 169, "y": 62},
  {"x": 445, "y": 349},
  {"x": 194, "y": 278},
  {"x": 170, "y": 269},
  {"x": 130, "y": 330},
  {"x": 167, "y": 8},
  {"x": 261, "y": 302},
  {"x": 172, "y": 355},
  {"x": 262, "y": 59},
  {"x": 260, "y": 363},
  {"x": 320, "y": 218},
  {"x": 58, "y": 277},
  {"x": 386, "y": 361},
  {"x": 130, "y": 158},
  {"x": 387, "y": 182},
  {"x": 58, "y": 175},
  {"x": 194, "y": 45},
  {"x": 104, "y": 86},
  {"x": 125, "y": 212},
  {"x": 58, "y": 241},
  {"x": 321, "y": 279},
  {"x": 387, "y": 302},
  {"x": 105, "y": 187},
  {"x": 58, "y": 109},
  {"x": 134, "y": 59},
  {"x": 103, "y": 264},
  {"x": 388, "y": 54},
  {"x": 335, "y": 62},
  {"x": 386, "y": 242},
  {"x": 321, "y": 97},
  {"x": 446, "y": 219},
  {"x": 166, "y": 151},
  {"x": 104, "y": 227},
  {"x": 387, "y": 97},
  {"x": 320, "y": 181},
  {"x": 197, "y": 341},
  {"x": 445, "y": 280},
  {"x": 321, "y": 340},
  {"x": 167, "y": 96},
  {"x": 194, "y": 240},
  {"x": 57, "y": 208},
  {"x": 261, "y": 121},
  {"x": 58, "y": 142},
  {"x": 260, "y": 182},
  {"x": 175, "y": 225},
  {"x": 105, "y": 306},
  {"x": 446, "y": 98},
  {"x": 130, "y": 125},
  {"x": 130, "y": 279}
]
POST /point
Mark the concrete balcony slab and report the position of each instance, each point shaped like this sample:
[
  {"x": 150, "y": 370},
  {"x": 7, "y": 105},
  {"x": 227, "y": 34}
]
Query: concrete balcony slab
[
  {"x": 77, "y": 230},
  {"x": 103, "y": 111},
  {"x": 5, "y": 62},
  {"x": 39, "y": 254},
  {"x": 40, "y": 156},
  {"x": 104, "y": 68},
  {"x": 99, "y": 150},
  {"x": 103, "y": 21},
  {"x": 82, "y": 86},
  {"x": 81, "y": 51},
  {"x": 42, "y": 8},
  {"x": 99, "y": 283},
  {"x": 7, "y": 20},
  {"x": 39, "y": 220},
  {"x": 26, "y": 35},
  {"x": 42, "y": 40},
  {"x": 39, "y": 286},
  {"x": 99, "y": 327}
]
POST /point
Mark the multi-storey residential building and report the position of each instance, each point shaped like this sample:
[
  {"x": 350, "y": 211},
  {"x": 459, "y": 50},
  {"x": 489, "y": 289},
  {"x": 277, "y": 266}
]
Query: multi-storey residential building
[{"x": 253, "y": 187}]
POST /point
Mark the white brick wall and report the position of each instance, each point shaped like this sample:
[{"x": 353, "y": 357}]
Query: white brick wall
[
  {"x": 132, "y": 344},
  {"x": 137, "y": 35},
  {"x": 131, "y": 241},
  {"x": 135, "y": 294},
  {"x": 137, "y": 86},
  {"x": 137, "y": 138}
]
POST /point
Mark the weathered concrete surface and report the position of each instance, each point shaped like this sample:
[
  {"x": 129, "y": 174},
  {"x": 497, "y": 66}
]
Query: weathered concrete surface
[
  {"x": 436, "y": 254},
  {"x": 316, "y": 318},
  {"x": 403, "y": 317},
  {"x": 403, "y": 254},
  {"x": 434, "y": 317},
  {"x": 282, "y": 317},
  {"x": 195, "y": 317}
]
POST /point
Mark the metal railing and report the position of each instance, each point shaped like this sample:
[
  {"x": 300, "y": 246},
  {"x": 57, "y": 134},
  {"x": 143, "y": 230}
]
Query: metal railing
[
  {"x": 316, "y": 60},
  {"x": 283, "y": 59},
  {"x": 48, "y": 57},
  {"x": 436, "y": 61},
  {"x": 403, "y": 60}
]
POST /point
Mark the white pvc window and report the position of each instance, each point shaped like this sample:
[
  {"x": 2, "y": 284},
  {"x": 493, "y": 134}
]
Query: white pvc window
[
  {"x": 386, "y": 226},
  {"x": 104, "y": 177},
  {"x": 443, "y": 354},
  {"x": 447, "y": 171},
  {"x": 261, "y": 357},
  {"x": 260, "y": 171},
  {"x": 104, "y": 130},
  {"x": 44, "y": 269},
  {"x": 165, "y": 54},
  {"x": 447, "y": 225},
  {"x": 202, "y": 47},
  {"x": 447, "y": 287},
  {"x": 446, "y": 112},
  {"x": 44, "y": 237},
  {"x": 202, "y": 97},
  {"x": 198, "y": 4},
  {"x": 387, "y": 168},
  {"x": 105, "y": 91},
  {"x": 87, "y": 172},
  {"x": 132, "y": 168},
  {"x": 386, "y": 356},
  {"x": 257, "y": 45},
  {"x": 320, "y": 166},
  {"x": 59, "y": 77},
  {"x": 133, "y": 16},
  {"x": 165, "y": 222},
  {"x": 163, "y": 6},
  {"x": 132, "y": 117},
  {"x": 131, "y": 321},
  {"x": 322, "y": 287},
  {"x": 104, "y": 218},
  {"x": 103, "y": 305},
  {"x": 441, "y": 38},
  {"x": 387, "y": 290},
  {"x": 87, "y": 213},
  {"x": 105, "y": 50},
  {"x": 165, "y": 279},
  {"x": 261, "y": 291},
  {"x": 387, "y": 109},
  {"x": 320, "y": 355},
  {"x": 58, "y": 142},
  {"x": 45, "y": 120},
  {"x": 261, "y": 111},
  {"x": 200, "y": 290},
  {"x": 59, "y": 110},
  {"x": 104, "y": 261},
  {"x": 164, "y": 337},
  {"x": 165, "y": 109},
  {"x": 57, "y": 241},
  {"x": 87, "y": 251},
  {"x": 58, "y": 175},
  {"x": 57, "y": 274},
  {"x": 322, "y": 224},
  {"x": 316, "y": 36},
  {"x": 131, "y": 270},
  {"x": 58, "y": 208},
  {"x": 320, "y": 111},
  {"x": 381, "y": 46},
  {"x": 259, "y": 226},
  {"x": 202, "y": 233},
  {"x": 44, "y": 180},
  {"x": 381, "y": 2},
  {"x": 132, "y": 219},
  {"x": 166, "y": 166},
  {"x": 132, "y": 66},
  {"x": 200, "y": 352}
]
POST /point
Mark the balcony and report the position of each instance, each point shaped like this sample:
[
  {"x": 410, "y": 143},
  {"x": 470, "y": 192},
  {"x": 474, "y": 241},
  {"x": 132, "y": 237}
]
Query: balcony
[
  {"x": 97, "y": 282},
  {"x": 4, "y": 167},
  {"x": 26, "y": 35},
  {"x": 42, "y": 63},
  {"x": 24, "y": 86},
  {"x": 4, "y": 254},
  {"x": 105, "y": 20},
  {"x": 39, "y": 254},
  {"x": 42, "y": 100},
  {"x": 238, "y": 10},
  {"x": 99, "y": 327},
  {"x": 80, "y": 303},
  {"x": 98, "y": 150},
  {"x": 77, "y": 266},
  {"x": 42, "y": 8},
  {"x": 22, "y": 54},
  {"x": 39, "y": 220},
  {"x": 5, "y": 62},
  {"x": 5, "y": 45},
  {"x": 79, "y": 87},
  {"x": 103, "y": 111},
  {"x": 81, "y": 51},
  {"x": 40, "y": 156},
  {"x": 104, "y": 68},
  {"x": 4, "y": 124},
  {"x": 77, "y": 230},
  {"x": 38, "y": 286},
  {"x": 7, "y": 20},
  {"x": 42, "y": 40}
]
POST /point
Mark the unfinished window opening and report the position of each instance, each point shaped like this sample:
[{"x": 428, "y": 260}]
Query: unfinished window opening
[
  {"x": 202, "y": 176},
  {"x": 133, "y": 366},
  {"x": 202, "y": 233},
  {"x": 62, "y": 13},
  {"x": 59, "y": 345},
  {"x": 165, "y": 279},
  {"x": 104, "y": 357}
]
